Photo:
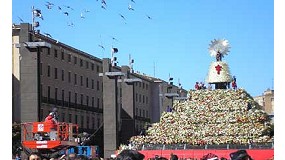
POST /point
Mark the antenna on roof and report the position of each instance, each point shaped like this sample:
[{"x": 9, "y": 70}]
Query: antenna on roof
[
  {"x": 179, "y": 84},
  {"x": 170, "y": 80},
  {"x": 170, "y": 83},
  {"x": 131, "y": 62},
  {"x": 114, "y": 59},
  {"x": 36, "y": 13}
]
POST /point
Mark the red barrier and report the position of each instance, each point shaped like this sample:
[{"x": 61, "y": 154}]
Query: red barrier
[{"x": 256, "y": 154}]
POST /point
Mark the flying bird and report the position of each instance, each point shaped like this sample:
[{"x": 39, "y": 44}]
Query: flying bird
[
  {"x": 66, "y": 13},
  {"x": 36, "y": 24},
  {"x": 101, "y": 46},
  {"x": 122, "y": 16},
  {"x": 114, "y": 38},
  {"x": 21, "y": 19},
  {"x": 130, "y": 7},
  {"x": 104, "y": 2},
  {"x": 49, "y": 5},
  {"x": 59, "y": 7},
  {"x": 82, "y": 16},
  {"x": 133, "y": 1},
  {"x": 86, "y": 10},
  {"x": 103, "y": 7},
  {"x": 148, "y": 17},
  {"x": 68, "y": 7},
  {"x": 70, "y": 24}
]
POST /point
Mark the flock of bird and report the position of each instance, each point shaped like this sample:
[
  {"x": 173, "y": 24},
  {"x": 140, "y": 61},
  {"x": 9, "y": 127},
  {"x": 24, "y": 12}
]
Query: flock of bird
[{"x": 67, "y": 11}]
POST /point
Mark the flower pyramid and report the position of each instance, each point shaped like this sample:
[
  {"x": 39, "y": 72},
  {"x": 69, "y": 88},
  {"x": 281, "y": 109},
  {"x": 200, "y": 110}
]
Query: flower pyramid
[{"x": 221, "y": 116}]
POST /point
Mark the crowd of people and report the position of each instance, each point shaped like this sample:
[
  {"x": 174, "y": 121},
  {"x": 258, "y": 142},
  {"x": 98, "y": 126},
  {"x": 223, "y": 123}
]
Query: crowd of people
[
  {"x": 71, "y": 156},
  {"x": 129, "y": 154},
  {"x": 210, "y": 117}
]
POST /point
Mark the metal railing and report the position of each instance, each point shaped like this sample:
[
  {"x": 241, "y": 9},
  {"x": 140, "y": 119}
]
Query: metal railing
[{"x": 221, "y": 146}]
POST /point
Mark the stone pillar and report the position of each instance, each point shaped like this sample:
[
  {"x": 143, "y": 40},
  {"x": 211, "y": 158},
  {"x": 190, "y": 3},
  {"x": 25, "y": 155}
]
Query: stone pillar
[
  {"x": 128, "y": 108},
  {"x": 110, "y": 109},
  {"x": 29, "y": 77}
]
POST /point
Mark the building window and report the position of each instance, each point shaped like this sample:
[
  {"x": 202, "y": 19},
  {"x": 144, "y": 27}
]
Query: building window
[
  {"x": 93, "y": 99},
  {"x": 87, "y": 101},
  {"x": 146, "y": 114},
  {"x": 97, "y": 68},
  {"x": 82, "y": 121},
  {"x": 48, "y": 71},
  {"x": 140, "y": 111},
  {"x": 69, "y": 117},
  {"x": 98, "y": 87},
  {"x": 136, "y": 97},
  {"x": 48, "y": 94},
  {"x": 75, "y": 98},
  {"x": 69, "y": 57},
  {"x": 92, "y": 83},
  {"x": 143, "y": 85},
  {"x": 146, "y": 99},
  {"x": 55, "y": 73},
  {"x": 87, "y": 82},
  {"x": 143, "y": 113},
  {"x": 140, "y": 97},
  {"x": 137, "y": 111},
  {"x": 55, "y": 53},
  {"x": 81, "y": 80},
  {"x": 92, "y": 66},
  {"x": 48, "y": 51},
  {"x": 62, "y": 75},
  {"x": 81, "y": 62},
  {"x": 62, "y": 97},
  {"x": 87, "y": 64},
  {"x": 98, "y": 102},
  {"x": 69, "y": 98},
  {"x": 62, "y": 55},
  {"x": 75, "y": 60},
  {"x": 75, "y": 78},
  {"x": 69, "y": 76},
  {"x": 146, "y": 86},
  {"x": 76, "y": 119},
  {"x": 81, "y": 99},
  {"x": 143, "y": 98}
]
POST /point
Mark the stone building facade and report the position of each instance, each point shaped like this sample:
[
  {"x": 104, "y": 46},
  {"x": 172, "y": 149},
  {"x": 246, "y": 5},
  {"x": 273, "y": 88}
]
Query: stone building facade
[
  {"x": 49, "y": 74},
  {"x": 266, "y": 100}
]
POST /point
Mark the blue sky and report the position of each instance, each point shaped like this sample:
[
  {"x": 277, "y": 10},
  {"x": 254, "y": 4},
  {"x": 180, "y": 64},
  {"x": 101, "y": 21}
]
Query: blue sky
[{"x": 174, "y": 41}]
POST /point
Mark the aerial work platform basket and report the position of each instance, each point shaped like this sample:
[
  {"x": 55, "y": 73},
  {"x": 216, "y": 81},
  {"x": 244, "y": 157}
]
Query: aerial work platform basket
[{"x": 44, "y": 137}]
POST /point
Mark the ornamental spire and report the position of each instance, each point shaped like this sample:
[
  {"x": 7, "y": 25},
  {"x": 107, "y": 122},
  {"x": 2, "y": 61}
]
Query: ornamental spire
[{"x": 219, "y": 48}]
